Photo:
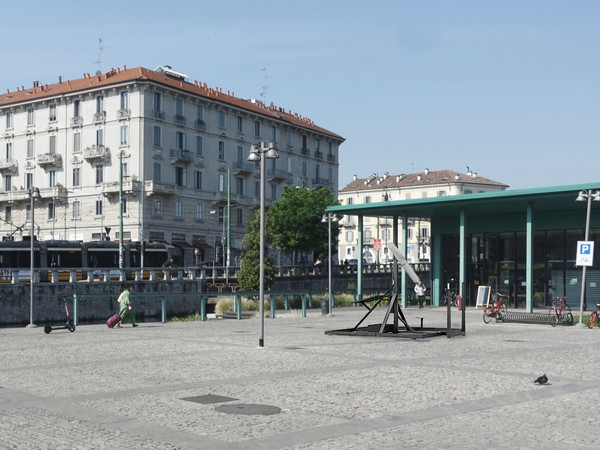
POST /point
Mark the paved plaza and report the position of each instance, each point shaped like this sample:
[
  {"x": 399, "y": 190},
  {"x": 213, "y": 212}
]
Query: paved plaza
[{"x": 208, "y": 385}]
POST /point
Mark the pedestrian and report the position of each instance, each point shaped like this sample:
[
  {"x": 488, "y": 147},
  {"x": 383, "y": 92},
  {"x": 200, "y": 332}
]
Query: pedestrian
[
  {"x": 125, "y": 312},
  {"x": 168, "y": 263},
  {"x": 420, "y": 291}
]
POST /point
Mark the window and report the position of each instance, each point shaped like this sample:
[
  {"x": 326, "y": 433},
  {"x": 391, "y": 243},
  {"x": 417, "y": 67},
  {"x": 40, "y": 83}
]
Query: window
[
  {"x": 7, "y": 182},
  {"x": 52, "y": 145},
  {"x": 199, "y": 112},
  {"x": 441, "y": 193},
  {"x": 273, "y": 191},
  {"x": 257, "y": 189},
  {"x": 407, "y": 196},
  {"x": 180, "y": 140},
  {"x": 239, "y": 185},
  {"x": 30, "y": 116},
  {"x": 9, "y": 150},
  {"x": 240, "y": 153},
  {"x": 221, "y": 150},
  {"x": 157, "y": 136},
  {"x": 99, "y": 208},
  {"x": 99, "y": 137},
  {"x": 125, "y": 100},
  {"x": 180, "y": 176},
  {"x": 76, "y": 142},
  {"x": 51, "y": 178},
  {"x": 317, "y": 171},
  {"x": 157, "y": 207},
  {"x": 197, "y": 179},
  {"x": 9, "y": 119},
  {"x": 52, "y": 112},
  {"x": 240, "y": 124},
  {"x": 179, "y": 106},
  {"x": 221, "y": 119},
  {"x": 76, "y": 176},
  {"x": 367, "y": 199},
  {"x": 199, "y": 211},
  {"x": 304, "y": 168},
  {"x": 424, "y": 232},
  {"x": 349, "y": 236},
  {"x": 221, "y": 182},
  {"x": 409, "y": 233},
  {"x": 99, "y": 174},
  {"x": 75, "y": 210},
  {"x": 30, "y": 148},
  {"x": 123, "y": 134},
  {"x": 367, "y": 234},
  {"x": 350, "y": 201},
  {"x": 257, "y": 128},
  {"x": 76, "y": 108},
  {"x": 274, "y": 133},
  {"x": 125, "y": 169},
  {"x": 157, "y": 105},
  {"x": 28, "y": 180},
  {"x": 289, "y": 138},
  {"x": 199, "y": 145},
  {"x": 28, "y": 213},
  {"x": 179, "y": 209},
  {"x": 156, "y": 172},
  {"x": 8, "y": 213},
  {"x": 51, "y": 211},
  {"x": 100, "y": 104}
]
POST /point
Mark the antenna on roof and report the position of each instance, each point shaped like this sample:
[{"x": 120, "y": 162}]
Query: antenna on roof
[
  {"x": 263, "y": 93},
  {"x": 99, "y": 60}
]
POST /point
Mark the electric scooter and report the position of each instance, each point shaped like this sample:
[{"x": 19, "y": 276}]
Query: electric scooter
[{"x": 67, "y": 326}]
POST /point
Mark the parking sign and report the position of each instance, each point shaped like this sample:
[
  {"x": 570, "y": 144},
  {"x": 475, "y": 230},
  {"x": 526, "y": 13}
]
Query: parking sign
[{"x": 585, "y": 253}]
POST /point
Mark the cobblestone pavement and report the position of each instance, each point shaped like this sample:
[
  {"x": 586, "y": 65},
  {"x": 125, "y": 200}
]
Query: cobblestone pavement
[{"x": 128, "y": 388}]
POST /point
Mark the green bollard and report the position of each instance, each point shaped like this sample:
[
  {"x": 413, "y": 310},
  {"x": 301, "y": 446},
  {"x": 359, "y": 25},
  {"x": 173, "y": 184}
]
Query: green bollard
[
  {"x": 75, "y": 319},
  {"x": 272, "y": 300},
  {"x": 287, "y": 298},
  {"x": 309, "y": 301},
  {"x": 303, "y": 305},
  {"x": 203, "y": 307},
  {"x": 238, "y": 306},
  {"x": 163, "y": 308}
]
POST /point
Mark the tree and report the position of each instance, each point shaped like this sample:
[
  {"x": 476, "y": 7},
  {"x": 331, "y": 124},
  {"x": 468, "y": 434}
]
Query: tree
[
  {"x": 249, "y": 274},
  {"x": 296, "y": 220}
]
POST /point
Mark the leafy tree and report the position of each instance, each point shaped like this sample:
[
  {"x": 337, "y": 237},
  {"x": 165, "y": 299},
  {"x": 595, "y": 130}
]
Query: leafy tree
[
  {"x": 249, "y": 274},
  {"x": 295, "y": 220}
]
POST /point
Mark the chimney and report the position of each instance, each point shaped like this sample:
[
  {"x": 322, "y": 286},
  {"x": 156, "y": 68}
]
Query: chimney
[
  {"x": 354, "y": 177},
  {"x": 426, "y": 171},
  {"x": 418, "y": 177}
]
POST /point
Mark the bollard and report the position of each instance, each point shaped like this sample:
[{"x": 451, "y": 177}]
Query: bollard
[
  {"x": 75, "y": 319},
  {"x": 303, "y": 305},
  {"x": 238, "y": 307},
  {"x": 164, "y": 309},
  {"x": 272, "y": 300},
  {"x": 203, "y": 307},
  {"x": 287, "y": 297}
]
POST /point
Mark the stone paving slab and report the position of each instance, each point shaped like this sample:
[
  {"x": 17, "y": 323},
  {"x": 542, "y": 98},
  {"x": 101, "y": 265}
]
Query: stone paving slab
[{"x": 124, "y": 388}]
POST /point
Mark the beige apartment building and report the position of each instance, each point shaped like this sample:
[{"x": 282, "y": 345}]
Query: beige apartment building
[
  {"x": 183, "y": 147},
  {"x": 377, "y": 232}
]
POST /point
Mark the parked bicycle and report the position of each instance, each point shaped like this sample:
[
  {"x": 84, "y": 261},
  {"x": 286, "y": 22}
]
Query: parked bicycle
[
  {"x": 560, "y": 312},
  {"x": 449, "y": 296},
  {"x": 495, "y": 311},
  {"x": 594, "y": 318}
]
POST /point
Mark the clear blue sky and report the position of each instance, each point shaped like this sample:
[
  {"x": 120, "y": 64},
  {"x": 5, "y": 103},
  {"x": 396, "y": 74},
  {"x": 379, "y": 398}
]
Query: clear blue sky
[{"x": 510, "y": 88}]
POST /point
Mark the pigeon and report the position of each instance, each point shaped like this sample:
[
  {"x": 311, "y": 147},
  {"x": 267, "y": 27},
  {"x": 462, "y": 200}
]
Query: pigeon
[{"x": 542, "y": 380}]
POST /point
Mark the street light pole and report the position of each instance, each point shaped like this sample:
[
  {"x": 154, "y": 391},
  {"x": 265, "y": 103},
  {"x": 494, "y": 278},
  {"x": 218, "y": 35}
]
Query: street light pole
[
  {"x": 259, "y": 152},
  {"x": 33, "y": 193},
  {"x": 328, "y": 217},
  {"x": 583, "y": 195}
]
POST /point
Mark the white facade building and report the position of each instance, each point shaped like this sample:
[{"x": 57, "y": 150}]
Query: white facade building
[
  {"x": 377, "y": 232},
  {"x": 179, "y": 142}
]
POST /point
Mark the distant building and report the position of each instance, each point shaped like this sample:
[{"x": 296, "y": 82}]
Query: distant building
[
  {"x": 178, "y": 142},
  {"x": 375, "y": 188}
]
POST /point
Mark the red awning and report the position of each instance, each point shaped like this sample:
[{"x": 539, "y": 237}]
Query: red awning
[
  {"x": 163, "y": 242},
  {"x": 202, "y": 246},
  {"x": 182, "y": 244}
]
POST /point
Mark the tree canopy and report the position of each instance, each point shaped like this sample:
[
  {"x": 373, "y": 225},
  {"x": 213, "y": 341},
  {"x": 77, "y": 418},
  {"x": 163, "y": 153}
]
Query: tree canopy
[{"x": 249, "y": 275}]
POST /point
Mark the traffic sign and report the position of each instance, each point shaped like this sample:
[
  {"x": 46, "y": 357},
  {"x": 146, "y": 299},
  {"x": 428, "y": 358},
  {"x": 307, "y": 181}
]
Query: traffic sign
[
  {"x": 376, "y": 244},
  {"x": 585, "y": 253}
]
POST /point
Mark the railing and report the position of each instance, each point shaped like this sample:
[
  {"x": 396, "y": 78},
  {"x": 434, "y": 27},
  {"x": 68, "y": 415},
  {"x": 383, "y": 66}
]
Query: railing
[
  {"x": 49, "y": 158},
  {"x": 180, "y": 154},
  {"x": 8, "y": 164},
  {"x": 101, "y": 153}
]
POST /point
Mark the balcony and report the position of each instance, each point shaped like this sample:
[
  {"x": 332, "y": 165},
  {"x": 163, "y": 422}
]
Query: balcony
[
  {"x": 8, "y": 165},
  {"x": 200, "y": 124},
  {"x": 130, "y": 187},
  {"x": 158, "y": 115},
  {"x": 179, "y": 119},
  {"x": 323, "y": 182},
  {"x": 277, "y": 174},
  {"x": 100, "y": 153},
  {"x": 318, "y": 154},
  {"x": 76, "y": 121},
  {"x": 99, "y": 117},
  {"x": 305, "y": 151},
  {"x": 180, "y": 155},
  {"x": 49, "y": 159},
  {"x": 159, "y": 188},
  {"x": 241, "y": 168},
  {"x": 331, "y": 158},
  {"x": 123, "y": 114}
]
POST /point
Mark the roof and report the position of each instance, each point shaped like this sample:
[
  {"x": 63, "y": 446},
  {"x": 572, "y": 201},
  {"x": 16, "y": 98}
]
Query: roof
[
  {"x": 419, "y": 179},
  {"x": 117, "y": 76},
  {"x": 548, "y": 199}
]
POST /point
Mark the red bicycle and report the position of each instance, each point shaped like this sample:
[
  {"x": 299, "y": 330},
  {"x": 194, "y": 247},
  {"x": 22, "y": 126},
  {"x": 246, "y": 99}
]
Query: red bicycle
[
  {"x": 560, "y": 312},
  {"x": 495, "y": 311},
  {"x": 594, "y": 318}
]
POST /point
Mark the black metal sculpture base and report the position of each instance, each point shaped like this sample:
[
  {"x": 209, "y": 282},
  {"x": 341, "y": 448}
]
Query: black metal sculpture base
[{"x": 393, "y": 330}]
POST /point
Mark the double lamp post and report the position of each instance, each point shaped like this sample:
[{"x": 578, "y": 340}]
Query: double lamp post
[{"x": 33, "y": 194}]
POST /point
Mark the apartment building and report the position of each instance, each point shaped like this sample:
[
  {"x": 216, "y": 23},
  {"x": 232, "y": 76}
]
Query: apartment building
[
  {"x": 377, "y": 231},
  {"x": 177, "y": 148}
]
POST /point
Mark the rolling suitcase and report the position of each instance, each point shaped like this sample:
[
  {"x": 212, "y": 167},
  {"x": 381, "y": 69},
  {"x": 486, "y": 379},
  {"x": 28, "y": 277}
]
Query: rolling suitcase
[{"x": 113, "y": 320}]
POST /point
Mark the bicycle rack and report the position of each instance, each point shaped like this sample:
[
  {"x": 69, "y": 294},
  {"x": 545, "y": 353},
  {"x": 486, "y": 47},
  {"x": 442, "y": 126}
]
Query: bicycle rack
[{"x": 525, "y": 317}]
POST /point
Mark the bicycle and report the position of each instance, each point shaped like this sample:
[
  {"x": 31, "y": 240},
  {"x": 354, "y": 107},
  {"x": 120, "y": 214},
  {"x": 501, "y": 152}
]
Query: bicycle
[
  {"x": 594, "y": 318},
  {"x": 495, "y": 310},
  {"x": 560, "y": 312},
  {"x": 449, "y": 296}
]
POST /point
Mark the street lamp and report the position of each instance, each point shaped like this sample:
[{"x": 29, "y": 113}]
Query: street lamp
[
  {"x": 32, "y": 193},
  {"x": 329, "y": 217},
  {"x": 583, "y": 196},
  {"x": 259, "y": 152}
]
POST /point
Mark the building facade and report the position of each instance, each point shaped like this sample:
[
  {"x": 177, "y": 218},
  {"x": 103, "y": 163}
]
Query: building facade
[
  {"x": 176, "y": 150},
  {"x": 377, "y": 231}
]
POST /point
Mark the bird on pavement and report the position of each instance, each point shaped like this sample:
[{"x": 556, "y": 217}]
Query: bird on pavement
[{"x": 541, "y": 380}]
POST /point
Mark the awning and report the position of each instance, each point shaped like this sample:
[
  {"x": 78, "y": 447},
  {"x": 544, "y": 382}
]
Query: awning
[
  {"x": 163, "y": 242},
  {"x": 202, "y": 246},
  {"x": 182, "y": 244}
]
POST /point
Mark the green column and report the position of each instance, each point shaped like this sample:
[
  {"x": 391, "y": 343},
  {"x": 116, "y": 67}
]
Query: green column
[
  {"x": 462, "y": 268},
  {"x": 163, "y": 309},
  {"x": 529, "y": 260},
  {"x": 359, "y": 266},
  {"x": 404, "y": 249}
]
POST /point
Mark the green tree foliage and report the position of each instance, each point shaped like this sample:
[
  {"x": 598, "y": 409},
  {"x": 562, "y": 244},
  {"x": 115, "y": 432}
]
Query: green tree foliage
[
  {"x": 249, "y": 274},
  {"x": 296, "y": 220}
]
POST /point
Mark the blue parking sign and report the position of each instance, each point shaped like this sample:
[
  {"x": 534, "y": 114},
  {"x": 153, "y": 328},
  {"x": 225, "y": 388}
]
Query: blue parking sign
[{"x": 585, "y": 253}]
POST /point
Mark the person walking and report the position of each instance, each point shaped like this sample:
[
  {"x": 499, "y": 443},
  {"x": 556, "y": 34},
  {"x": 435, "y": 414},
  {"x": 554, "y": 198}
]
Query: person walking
[
  {"x": 420, "y": 291},
  {"x": 125, "y": 312}
]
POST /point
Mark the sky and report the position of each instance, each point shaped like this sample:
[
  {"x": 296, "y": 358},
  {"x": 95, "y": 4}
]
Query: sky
[{"x": 508, "y": 88}]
